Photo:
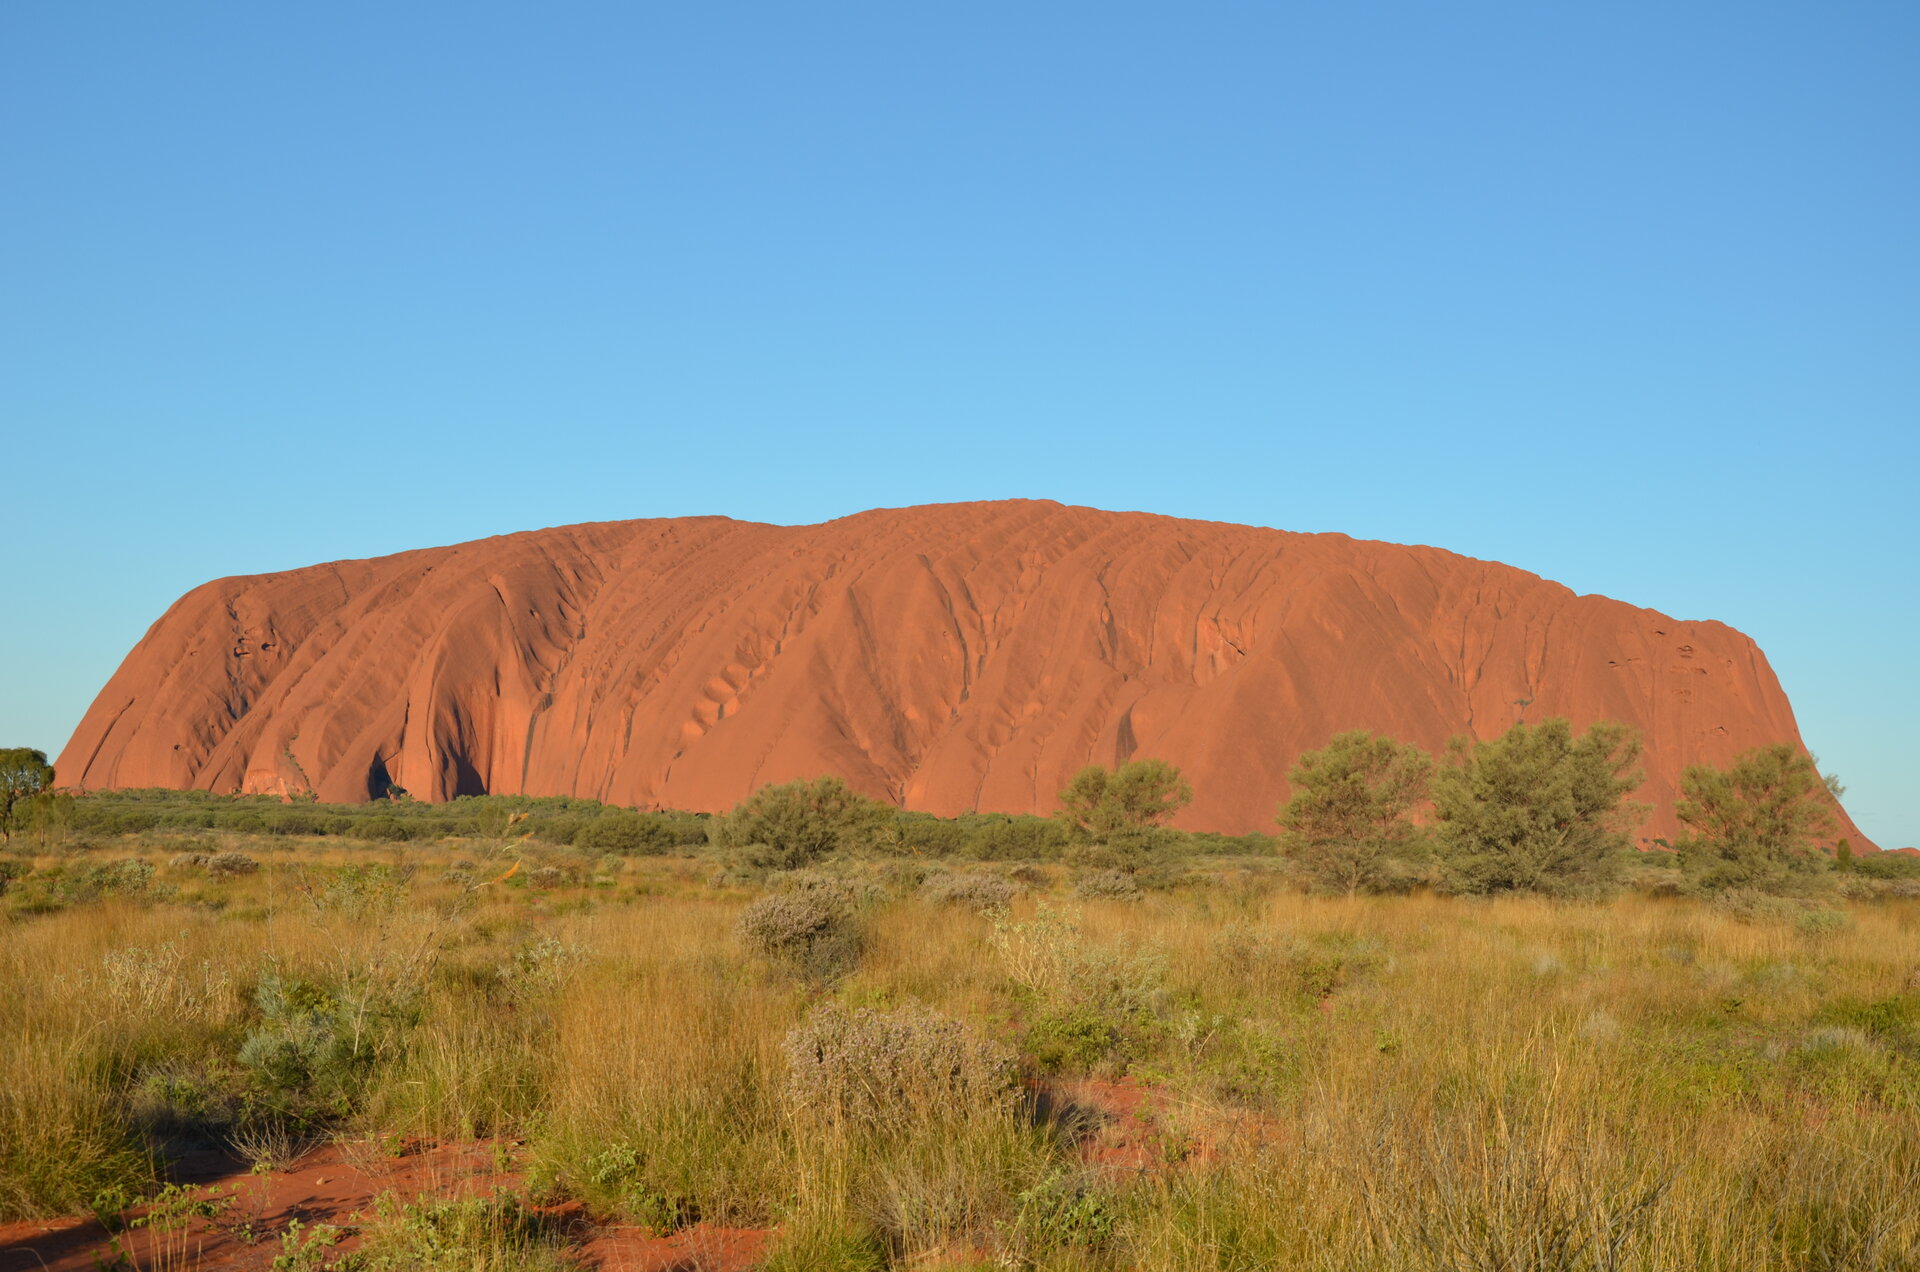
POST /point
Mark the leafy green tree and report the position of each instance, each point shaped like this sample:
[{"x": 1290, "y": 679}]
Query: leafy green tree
[
  {"x": 791, "y": 825},
  {"x": 1537, "y": 810},
  {"x": 1348, "y": 822},
  {"x": 1758, "y": 823},
  {"x": 24, "y": 774},
  {"x": 1116, "y": 816},
  {"x": 47, "y": 817}
]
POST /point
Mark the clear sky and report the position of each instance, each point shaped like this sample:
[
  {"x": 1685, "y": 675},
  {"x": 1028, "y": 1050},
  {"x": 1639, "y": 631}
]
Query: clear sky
[{"x": 1625, "y": 294}]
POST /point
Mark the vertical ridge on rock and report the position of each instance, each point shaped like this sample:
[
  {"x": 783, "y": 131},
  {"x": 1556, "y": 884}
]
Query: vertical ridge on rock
[{"x": 946, "y": 658}]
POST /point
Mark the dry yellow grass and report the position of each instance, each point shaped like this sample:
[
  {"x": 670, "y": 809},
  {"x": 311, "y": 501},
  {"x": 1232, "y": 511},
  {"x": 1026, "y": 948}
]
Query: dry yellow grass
[{"x": 1362, "y": 1083}]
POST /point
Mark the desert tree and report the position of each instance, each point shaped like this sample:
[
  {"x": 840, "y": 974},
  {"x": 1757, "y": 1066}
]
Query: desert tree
[
  {"x": 794, "y": 824},
  {"x": 1116, "y": 816},
  {"x": 1537, "y": 809},
  {"x": 1349, "y": 821},
  {"x": 1757, "y": 823},
  {"x": 24, "y": 774}
]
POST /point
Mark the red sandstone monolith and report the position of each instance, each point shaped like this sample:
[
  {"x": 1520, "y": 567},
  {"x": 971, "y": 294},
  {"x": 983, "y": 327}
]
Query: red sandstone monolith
[{"x": 946, "y": 658}]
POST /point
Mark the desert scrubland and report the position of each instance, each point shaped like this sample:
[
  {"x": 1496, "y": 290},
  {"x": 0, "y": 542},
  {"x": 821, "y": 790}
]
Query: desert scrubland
[{"x": 915, "y": 1058}]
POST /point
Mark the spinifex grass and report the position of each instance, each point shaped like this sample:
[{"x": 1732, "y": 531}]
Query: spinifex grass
[{"x": 1392, "y": 1083}]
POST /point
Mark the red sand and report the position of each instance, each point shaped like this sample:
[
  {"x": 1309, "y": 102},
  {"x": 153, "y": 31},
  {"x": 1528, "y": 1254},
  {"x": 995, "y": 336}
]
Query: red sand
[
  {"x": 328, "y": 1186},
  {"x": 1120, "y": 1125}
]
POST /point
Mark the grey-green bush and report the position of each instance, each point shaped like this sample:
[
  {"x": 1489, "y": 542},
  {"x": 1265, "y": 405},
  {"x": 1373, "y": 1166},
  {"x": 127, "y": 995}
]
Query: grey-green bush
[
  {"x": 1537, "y": 810},
  {"x": 807, "y": 932},
  {"x": 973, "y": 891},
  {"x": 1348, "y": 823},
  {"x": 793, "y": 825},
  {"x": 864, "y": 1067},
  {"x": 1106, "y": 885},
  {"x": 1756, "y": 824}
]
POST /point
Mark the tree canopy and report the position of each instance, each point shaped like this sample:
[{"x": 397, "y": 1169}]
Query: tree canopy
[
  {"x": 1348, "y": 821},
  {"x": 1118, "y": 811},
  {"x": 24, "y": 773},
  {"x": 1758, "y": 822},
  {"x": 1537, "y": 809},
  {"x": 791, "y": 825}
]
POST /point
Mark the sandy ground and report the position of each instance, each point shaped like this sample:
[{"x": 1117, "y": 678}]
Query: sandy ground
[
  {"x": 334, "y": 1185},
  {"x": 1124, "y": 1126}
]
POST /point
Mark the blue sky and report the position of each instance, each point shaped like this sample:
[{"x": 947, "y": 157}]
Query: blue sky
[{"x": 1627, "y": 295}]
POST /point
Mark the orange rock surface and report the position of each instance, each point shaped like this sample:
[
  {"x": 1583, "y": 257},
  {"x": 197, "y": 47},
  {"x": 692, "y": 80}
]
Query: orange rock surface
[{"x": 946, "y": 658}]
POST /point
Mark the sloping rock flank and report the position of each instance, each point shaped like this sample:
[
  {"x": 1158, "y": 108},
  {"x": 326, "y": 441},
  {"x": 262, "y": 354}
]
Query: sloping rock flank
[{"x": 946, "y": 658}]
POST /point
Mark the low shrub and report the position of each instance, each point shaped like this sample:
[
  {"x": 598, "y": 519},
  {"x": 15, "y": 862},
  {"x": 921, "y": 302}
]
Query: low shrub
[
  {"x": 1074, "y": 1040},
  {"x": 296, "y": 821},
  {"x": 1818, "y": 923},
  {"x": 1322, "y": 965},
  {"x": 1095, "y": 1007},
  {"x": 1111, "y": 1015},
  {"x": 1750, "y": 905},
  {"x": 81, "y": 882},
  {"x": 617, "y": 1179},
  {"x": 1007, "y": 838},
  {"x": 561, "y": 831},
  {"x": 111, "y": 821},
  {"x": 1888, "y": 865},
  {"x": 634, "y": 834},
  {"x": 809, "y": 932},
  {"x": 383, "y": 829},
  {"x": 313, "y": 1049},
  {"x": 1065, "y": 1209},
  {"x": 130, "y": 878},
  {"x": 462, "y": 1234},
  {"x": 184, "y": 1104},
  {"x": 973, "y": 891},
  {"x": 925, "y": 835},
  {"x": 1851, "y": 887},
  {"x": 902, "y": 877},
  {"x": 848, "y": 892},
  {"x": 231, "y": 864},
  {"x": 363, "y": 891},
  {"x": 1106, "y": 885},
  {"x": 863, "y": 1067}
]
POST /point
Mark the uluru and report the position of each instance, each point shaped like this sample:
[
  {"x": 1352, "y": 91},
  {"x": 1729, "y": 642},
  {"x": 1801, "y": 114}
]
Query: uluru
[{"x": 945, "y": 658}]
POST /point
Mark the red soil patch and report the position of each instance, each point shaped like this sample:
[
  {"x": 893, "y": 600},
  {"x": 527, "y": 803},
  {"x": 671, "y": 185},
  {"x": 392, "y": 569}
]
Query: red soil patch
[
  {"x": 338, "y": 1185},
  {"x": 697, "y": 1249},
  {"x": 1129, "y": 1125},
  {"x": 1123, "y": 1125}
]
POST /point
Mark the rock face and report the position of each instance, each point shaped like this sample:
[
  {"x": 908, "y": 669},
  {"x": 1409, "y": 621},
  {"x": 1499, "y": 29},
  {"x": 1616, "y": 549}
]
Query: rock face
[{"x": 965, "y": 656}]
